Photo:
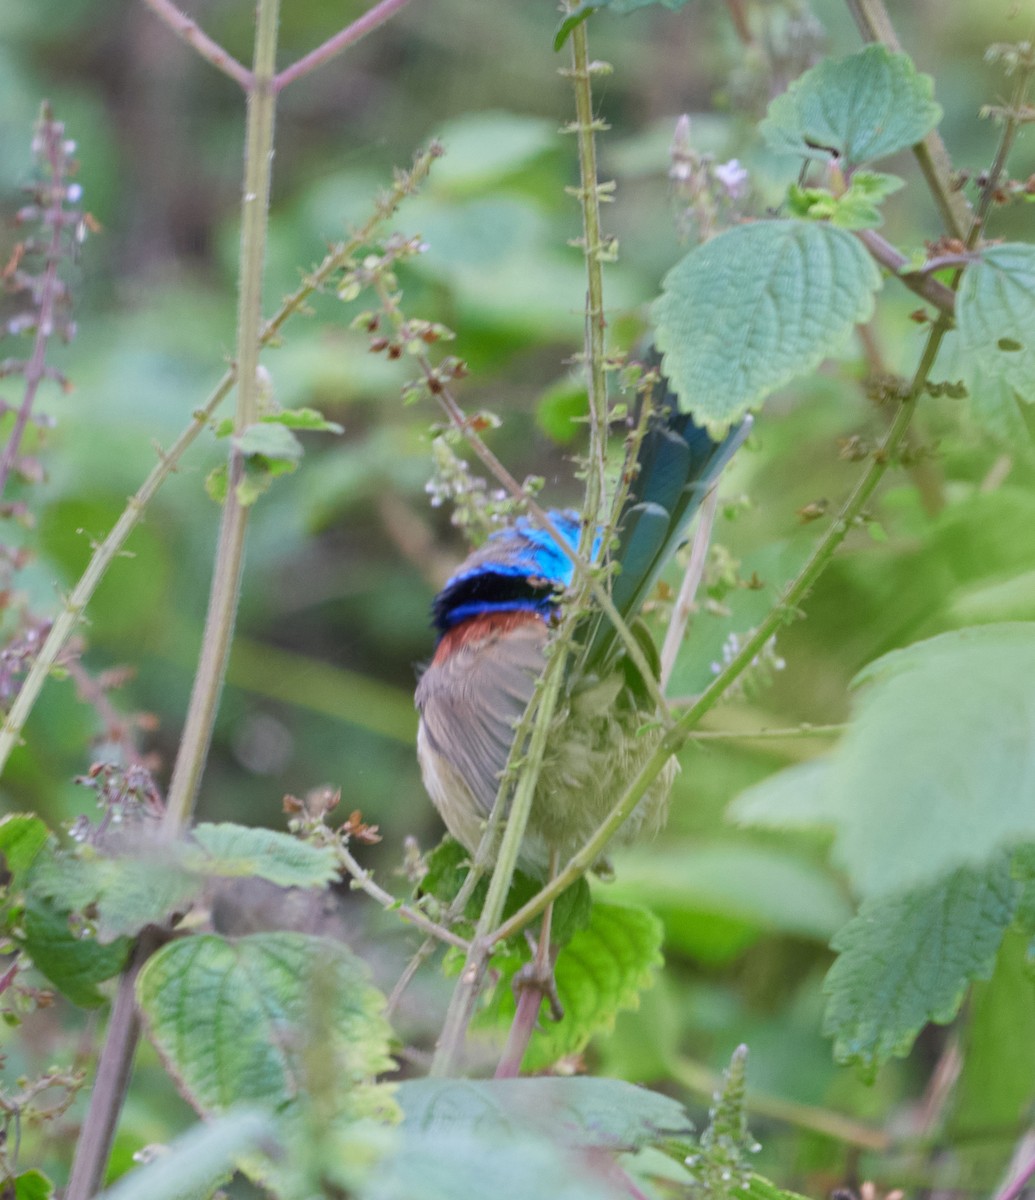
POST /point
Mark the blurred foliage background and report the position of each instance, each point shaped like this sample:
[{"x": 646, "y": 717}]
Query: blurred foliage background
[{"x": 345, "y": 555}]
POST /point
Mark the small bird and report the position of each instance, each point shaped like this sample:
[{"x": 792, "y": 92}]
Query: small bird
[{"x": 494, "y": 618}]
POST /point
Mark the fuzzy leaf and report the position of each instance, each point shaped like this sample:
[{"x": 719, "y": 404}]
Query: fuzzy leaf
[
  {"x": 74, "y": 965},
  {"x": 861, "y": 107},
  {"x": 309, "y": 419},
  {"x": 907, "y": 959},
  {"x": 856, "y": 208},
  {"x": 257, "y": 996},
  {"x": 796, "y": 797},
  {"x": 581, "y": 1111},
  {"x": 601, "y": 970},
  {"x": 272, "y": 443},
  {"x": 995, "y": 313},
  {"x": 935, "y": 770},
  {"x": 198, "y": 1162},
  {"x": 756, "y": 307},
  {"x": 233, "y": 851}
]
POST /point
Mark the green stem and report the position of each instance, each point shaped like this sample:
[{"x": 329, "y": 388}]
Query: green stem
[
  {"x": 226, "y": 579},
  {"x": 589, "y": 194}
]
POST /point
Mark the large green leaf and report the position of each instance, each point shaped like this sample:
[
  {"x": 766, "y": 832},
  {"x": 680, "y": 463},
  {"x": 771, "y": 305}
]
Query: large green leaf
[
  {"x": 600, "y": 971},
  {"x": 995, "y": 313},
  {"x": 197, "y": 1162},
  {"x": 579, "y": 1111},
  {"x": 74, "y": 964},
  {"x": 231, "y": 1018},
  {"x": 935, "y": 770},
  {"x": 756, "y": 307},
  {"x": 907, "y": 959},
  {"x": 797, "y": 796},
  {"x": 229, "y": 850},
  {"x": 863, "y": 107}
]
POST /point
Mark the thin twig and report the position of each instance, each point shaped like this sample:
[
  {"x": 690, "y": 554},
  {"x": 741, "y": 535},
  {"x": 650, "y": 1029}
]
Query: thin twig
[
  {"x": 195, "y": 37},
  {"x": 688, "y": 590},
  {"x": 363, "y": 25},
  {"x": 1015, "y": 1188},
  {"x": 759, "y": 735},
  {"x": 365, "y": 882},
  {"x": 920, "y": 282}
]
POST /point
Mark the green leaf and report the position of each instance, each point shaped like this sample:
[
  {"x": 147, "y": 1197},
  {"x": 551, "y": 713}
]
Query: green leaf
[
  {"x": 756, "y": 307},
  {"x": 601, "y": 970},
  {"x": 216, "y": 483},
  {"x": 469, "y": 1166},
  {"x": 861, "y": 107},
  {"x": 487, "y": 147},
  {"x": 995, "y": 314},
  {"x": 580, "y": 1111},
  {"x": 907, "y": 959},
  {"x": 796, "y": 797},
  {"x": 22, "y": 837},
  {"x": 74, "y": 965},
  {"x": 309, "y": 419},
  {"x": 232, "y": 851},
  {"x": 757, "y": 887},
  {"x": 588, "y": 7},
  {"x": 273, "y": 443},
  {"x": 198, "y": 1162},
  {"x": 760, "y": 1188},
  {"x": 32, "y": 1185},
  {"x": 935, "y": 770},
  {"x": 856, "y": 208},
  {"x": 995, "y": 1089},
  {"x": 561, "y": 411},
  {"x": 257, "y": 997}
]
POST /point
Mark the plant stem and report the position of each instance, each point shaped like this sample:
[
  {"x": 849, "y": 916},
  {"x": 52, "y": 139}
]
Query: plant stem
[
  {"x": 589, "y": 193},
  {"x": 226, "y": 578},
  {"x": 874, "y": 24},
  {"x": 930, "y": 289},
  {"x": 688, "y": 589},
  {"x": 1015, "y": 1188},
  {"x": 113, "y": 1068},
  {"x": 699, "y": 1079},
  {"x": 335, "y": 45},
  {"x": 195, "y": 37}
]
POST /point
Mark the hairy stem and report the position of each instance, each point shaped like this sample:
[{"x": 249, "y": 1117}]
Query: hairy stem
[
  {"x": 195, "y": 37},
  {"x": 688, "y": 589},
  {"x": 226, "y": 579},
  {"x": 921, "y": 282},
  {"x": 590, "y": 192},
  {"x": 363, "y": 25}
]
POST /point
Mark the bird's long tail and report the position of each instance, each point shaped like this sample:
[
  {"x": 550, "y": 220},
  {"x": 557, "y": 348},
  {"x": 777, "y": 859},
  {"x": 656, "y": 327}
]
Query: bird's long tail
[{"x": 678, "y": 462}]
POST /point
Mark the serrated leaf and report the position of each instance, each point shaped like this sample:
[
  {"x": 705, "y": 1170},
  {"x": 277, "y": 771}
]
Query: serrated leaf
[
  {"x": 756, "y": 307},
  {"x": 581, "y": 1111},
  {"x": 995, "y": 315},
  {"x": 233, "y": 851},
  {"x": 862, "y": 107},
  {"x": 760, "y": 1188},
  {"x": 198, "y": 1162},
  {"x": 74, "y": 965},
  {"x": 230, "y": 1018},
  {"x": 22, "y": 837},
  {"x": 907, "y": 959},
  {"x": 274, "y": 443},
  {"x": 586, "y": 9},
  {"x": 935, "y": 769},
  {"x": 600, "y": 971}
]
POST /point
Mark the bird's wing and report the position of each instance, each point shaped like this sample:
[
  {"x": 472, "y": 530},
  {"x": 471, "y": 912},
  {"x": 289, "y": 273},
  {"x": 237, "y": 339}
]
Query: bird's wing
[{"x": 471, "y": 700}]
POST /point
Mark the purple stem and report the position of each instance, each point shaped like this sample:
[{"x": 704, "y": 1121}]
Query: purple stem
[
  {"x": 36, "y": 368},
  {"x": 335, "y": 45},
  {"x": 1019, "y": 1182},
  {"x": 192, "y": 33}
]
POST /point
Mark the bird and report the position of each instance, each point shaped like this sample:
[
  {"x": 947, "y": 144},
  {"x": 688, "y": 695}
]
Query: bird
[{"x": 494, "y": 619}]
